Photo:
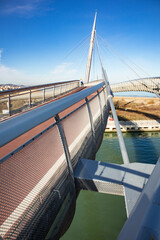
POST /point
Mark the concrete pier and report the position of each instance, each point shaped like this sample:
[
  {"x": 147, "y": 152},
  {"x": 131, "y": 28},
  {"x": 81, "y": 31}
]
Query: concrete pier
[{"x": 131, "y": 126}]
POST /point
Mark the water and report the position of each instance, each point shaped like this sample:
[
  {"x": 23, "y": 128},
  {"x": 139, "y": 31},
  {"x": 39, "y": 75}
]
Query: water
[
  {"x": 101, "y": 216},
  {"x": 134, "y": 94}
]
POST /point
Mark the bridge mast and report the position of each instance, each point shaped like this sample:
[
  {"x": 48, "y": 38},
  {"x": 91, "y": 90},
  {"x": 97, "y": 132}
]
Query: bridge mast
[{"x": 89, "y": 60}]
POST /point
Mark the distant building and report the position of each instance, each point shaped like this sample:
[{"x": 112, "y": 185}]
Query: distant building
[{"x": 6, "y": 87}]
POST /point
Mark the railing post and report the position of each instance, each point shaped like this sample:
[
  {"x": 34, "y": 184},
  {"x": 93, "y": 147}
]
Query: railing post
[
  {"x": 44, "y": 95},
  {"x": 91, "y": 122},
  {"x": 61, "y": 90},
  {"x": 66, "y": 150},
  {"x": 65, "y": 88},
  {"x": 53, "y": 91},
  {"x": 9, "y": 104},
  {"x": 30, "y": 100}
]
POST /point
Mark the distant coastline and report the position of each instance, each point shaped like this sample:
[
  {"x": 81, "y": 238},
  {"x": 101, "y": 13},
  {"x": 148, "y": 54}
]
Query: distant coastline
[{"x": 5, "y": 87}]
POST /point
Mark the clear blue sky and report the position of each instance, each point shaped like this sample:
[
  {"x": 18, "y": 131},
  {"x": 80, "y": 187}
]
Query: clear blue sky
[{"x": 36, "y": 35}]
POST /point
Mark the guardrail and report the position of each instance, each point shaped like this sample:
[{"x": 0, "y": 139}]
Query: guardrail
[
  {"x": 36, "y": 177},
  {"x": 14, "y": 127},
  {"x": 18, "y": 100}
]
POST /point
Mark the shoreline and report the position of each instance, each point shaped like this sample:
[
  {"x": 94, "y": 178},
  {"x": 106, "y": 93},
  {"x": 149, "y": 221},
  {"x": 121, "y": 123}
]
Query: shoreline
[
  {"x": 136, "y": 114},
  {"x": 134, "y": 126},
  {"x": 137, "y": 108}
]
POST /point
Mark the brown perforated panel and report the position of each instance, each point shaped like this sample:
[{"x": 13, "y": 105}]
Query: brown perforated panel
[
  {"x": 102, "y": 99},
  {"x": 95, "y": 108},
  {"x": 76, "y": 127},
  {"x": 24, "y": 176}
]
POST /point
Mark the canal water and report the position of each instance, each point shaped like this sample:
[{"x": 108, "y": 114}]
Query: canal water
[{"x": 101, "y": 216}]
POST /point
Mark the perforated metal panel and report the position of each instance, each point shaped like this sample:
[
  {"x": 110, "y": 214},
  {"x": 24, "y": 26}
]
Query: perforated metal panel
[
  {"x": 76, "y": 127},
  {"x": 102, "y": 99},
  {"x": 28, "y": 180},
  {"x": 95, "y": 108}
]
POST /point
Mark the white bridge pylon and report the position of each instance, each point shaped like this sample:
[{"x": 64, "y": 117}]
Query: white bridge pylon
[{"x": 90, "y": 53}]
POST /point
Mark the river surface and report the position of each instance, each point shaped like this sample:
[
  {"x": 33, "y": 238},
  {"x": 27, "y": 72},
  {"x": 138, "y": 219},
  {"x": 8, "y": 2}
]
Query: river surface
[{"x": 101, "y": 216}]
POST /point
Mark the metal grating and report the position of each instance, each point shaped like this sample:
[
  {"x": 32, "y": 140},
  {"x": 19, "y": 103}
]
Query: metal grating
[
  {"x": 95, "y": 109},
  {"x": 76, "y": 127},
  {"x": 26, "y": 181}
]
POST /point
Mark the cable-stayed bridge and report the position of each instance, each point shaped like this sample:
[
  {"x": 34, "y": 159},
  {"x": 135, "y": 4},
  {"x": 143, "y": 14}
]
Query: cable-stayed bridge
[
  {"x": 151, "y": 85},
  {"x": 47, "y": 153}
]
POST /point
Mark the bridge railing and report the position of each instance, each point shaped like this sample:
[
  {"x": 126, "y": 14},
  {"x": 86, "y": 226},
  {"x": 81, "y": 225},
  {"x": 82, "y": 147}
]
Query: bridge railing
[
  {"x": 39, "y": 150},
  {"x": 18, "y": 100},
  {"x": 151, "y": 85}
]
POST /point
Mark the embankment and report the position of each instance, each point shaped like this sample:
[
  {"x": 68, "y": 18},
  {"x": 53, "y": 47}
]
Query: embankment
[{"x": 136, "y": 114}]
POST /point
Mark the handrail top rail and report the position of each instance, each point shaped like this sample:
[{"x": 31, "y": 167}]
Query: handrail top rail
[
  {"x": 20, "y": 124},
  {"x": 136, "y": 79},
  {"x": 35, "y": 87}
]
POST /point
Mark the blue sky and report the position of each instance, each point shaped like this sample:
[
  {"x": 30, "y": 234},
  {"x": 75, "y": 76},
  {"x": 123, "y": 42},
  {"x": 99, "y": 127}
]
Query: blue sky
[{"x": 36, "y": 36}]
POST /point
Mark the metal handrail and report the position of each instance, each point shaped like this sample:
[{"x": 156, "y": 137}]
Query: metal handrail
[
  {"x": 136, "y": 79},
  {"x": 8, "y": 97},
  {"x": 21, "y": 91},
  {"x": 35, "y": 87},
  {"x": 151, "y": 85},
  {"x": 14, "y": 127}
]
